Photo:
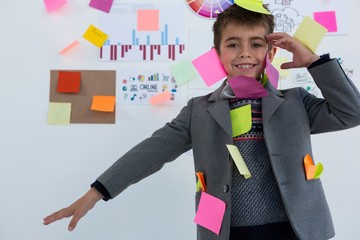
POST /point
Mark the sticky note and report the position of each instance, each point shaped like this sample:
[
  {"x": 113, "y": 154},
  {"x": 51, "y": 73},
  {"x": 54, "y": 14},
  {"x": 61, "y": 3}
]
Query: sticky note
[
  {"x": 148, "y": 20},
  {"x": 68, "y": 82},
  {"x": 103, "y": 103},
  {"x": 160, "y": 98},
  {"x": 241, "y": 121},
  {"x": 210, "y": 212},
  {"x": 272, "y": 73},
  {"x": 201, "y": 180},
  {"x": 310, "y": 33},
  {"x": 95, "y": 36},
  {"x": 247, "y": 87},
  {"x": 252, "y": 5},
  {"x": 183, "y": 71},
  {"x": 59, "y": 113},
  {"x": 239, "y": 161},
  {"x": 102, "y": 5},
  {"x": 69, "y": 47},
  {"x": 327, "y": 19},
  {"x": 312, "y": 171},
  {"x": 209, "y": 67},
  {"x": 277, "y": 62},
  {"x": 53, "y": 5}
]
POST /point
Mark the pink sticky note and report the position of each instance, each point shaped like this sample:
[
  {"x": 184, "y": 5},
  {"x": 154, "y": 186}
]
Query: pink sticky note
[
  {"x": 247, "y": 87},
  {"x": 52, "y": 5},
  {"x": 148, "y": 20},
  {"x": 102, "y": 5},
  {"x": 209, "y": 67},
  {"x": 160, "y": 98},
  {"x": 327, "y": 19},
  {"x": 210, "y": 212},
  {"x": 68, "y": 48},
  {"x": 272, "y": 73}
]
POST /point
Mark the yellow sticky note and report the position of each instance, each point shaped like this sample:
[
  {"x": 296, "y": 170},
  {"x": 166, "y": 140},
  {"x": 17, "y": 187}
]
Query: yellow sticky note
[
  {"x": 252, "y": 5},
  {"x": 59, "y": 113},
  {"x": 241, "y": 120},
  {"x": 95, "y": 36},
  {"x": 277, "y": 64},
  {"x": 310, "y": 33},
  {"x": 239, "y": 161},
  {"x": 103, "y": 103}
]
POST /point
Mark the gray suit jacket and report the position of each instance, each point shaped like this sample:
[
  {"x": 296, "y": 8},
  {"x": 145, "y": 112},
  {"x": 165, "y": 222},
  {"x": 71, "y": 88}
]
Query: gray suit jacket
[{"x": 289, "y": 117}]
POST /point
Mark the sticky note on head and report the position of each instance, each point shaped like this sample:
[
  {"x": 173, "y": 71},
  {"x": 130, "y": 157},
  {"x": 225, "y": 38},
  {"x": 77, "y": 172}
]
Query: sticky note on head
[
  {"x": 252, "y": 5},
  {"x": 95, "y": 36},
  {"x": 310, "y": 33},
  {"x": 209, "y": 67}
]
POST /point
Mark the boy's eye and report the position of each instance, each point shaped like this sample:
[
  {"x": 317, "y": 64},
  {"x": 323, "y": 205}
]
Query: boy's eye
[
  {"x": 233, "y": 45},
  {"x": 257, "y": 45}
]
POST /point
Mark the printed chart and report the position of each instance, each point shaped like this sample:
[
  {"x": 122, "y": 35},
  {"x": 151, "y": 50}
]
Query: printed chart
[
  {"x": 209, "y": 8},
  {"x": 127, "y": 42}
]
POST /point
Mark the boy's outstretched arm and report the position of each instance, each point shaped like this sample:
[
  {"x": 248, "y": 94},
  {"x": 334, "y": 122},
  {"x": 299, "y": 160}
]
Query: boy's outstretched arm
[
  {"x": 77, "y": 210},
  {"x": 302, "y": 56}
]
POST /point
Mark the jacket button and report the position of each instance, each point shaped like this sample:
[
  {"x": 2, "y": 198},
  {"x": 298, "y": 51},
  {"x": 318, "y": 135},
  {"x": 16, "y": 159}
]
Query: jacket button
[{"x": 226, "y": 188}]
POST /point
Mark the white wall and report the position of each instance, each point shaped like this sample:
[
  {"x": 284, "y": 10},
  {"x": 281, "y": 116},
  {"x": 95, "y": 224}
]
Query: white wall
[{"x": 45, "y": 167}]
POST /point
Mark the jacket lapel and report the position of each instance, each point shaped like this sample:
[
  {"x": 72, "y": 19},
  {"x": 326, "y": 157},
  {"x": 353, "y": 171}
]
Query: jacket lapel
[
  {"x": 271, "y": 102},
  {"x": 220, "y": 111}
]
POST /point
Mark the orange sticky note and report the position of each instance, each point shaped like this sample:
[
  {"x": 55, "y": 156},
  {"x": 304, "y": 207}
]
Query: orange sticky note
[
  {"x": 148, "y": 20},
  {"x": 68, "y": 82},
  {"x": 95, "y": 36},
  {"x": 103, "y": 103},
  {"x": 201, "y": 179},
  {"x": 160, "y": 98},
  {"x": 68, "y": 48},
  {"x": 310, "y": 168}
]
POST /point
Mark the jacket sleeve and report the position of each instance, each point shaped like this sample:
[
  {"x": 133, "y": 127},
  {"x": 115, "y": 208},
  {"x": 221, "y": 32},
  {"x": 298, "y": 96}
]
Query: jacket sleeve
[
  {"x": 150, "y": 155},
  {"x": 340, "y": 108}
]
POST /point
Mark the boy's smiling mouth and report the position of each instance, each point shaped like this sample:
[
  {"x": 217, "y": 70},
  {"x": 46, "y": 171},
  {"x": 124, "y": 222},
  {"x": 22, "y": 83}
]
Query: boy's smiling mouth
[{"x": 245, "y": 66}]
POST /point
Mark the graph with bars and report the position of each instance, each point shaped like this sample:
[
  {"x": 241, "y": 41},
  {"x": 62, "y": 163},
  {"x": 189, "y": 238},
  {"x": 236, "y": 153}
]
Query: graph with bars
[{"x": 127, "y": 43}]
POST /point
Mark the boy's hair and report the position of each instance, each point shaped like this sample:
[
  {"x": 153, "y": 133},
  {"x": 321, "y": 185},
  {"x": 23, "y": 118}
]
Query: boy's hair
[{"x": 238, "y": 15}]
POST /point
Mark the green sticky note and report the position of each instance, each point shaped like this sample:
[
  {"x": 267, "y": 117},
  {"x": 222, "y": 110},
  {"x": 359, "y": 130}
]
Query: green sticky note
[
  {"x": 59, "y": 113},
  {"x": 310, "y": 33},
  {"x": 183, "y": 71},
  {"x": 239, "y": 161},
  {"x": 241, "y": 120},
  {"x": 319, "y": 170}
]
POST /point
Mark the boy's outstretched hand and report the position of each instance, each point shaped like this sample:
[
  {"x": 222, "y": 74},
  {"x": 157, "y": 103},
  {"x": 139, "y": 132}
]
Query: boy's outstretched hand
[
  {"x": 77, "y": 210},
  {"x": 302, "y": 56}
]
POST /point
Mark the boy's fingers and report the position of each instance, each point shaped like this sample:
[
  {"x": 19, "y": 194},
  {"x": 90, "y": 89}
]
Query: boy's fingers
[{"x": 63, "y": 213}]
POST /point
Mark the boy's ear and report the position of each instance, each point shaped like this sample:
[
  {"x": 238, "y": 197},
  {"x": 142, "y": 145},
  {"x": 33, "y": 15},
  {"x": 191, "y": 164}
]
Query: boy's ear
[{"x": 271, "y": 53}]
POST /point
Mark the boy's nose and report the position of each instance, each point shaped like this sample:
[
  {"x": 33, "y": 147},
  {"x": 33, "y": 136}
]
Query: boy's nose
[{"x": 245, "y": 53}]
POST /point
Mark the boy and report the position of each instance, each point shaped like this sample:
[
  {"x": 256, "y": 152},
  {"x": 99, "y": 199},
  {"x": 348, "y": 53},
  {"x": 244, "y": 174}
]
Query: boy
[{"x": 277, "y": 202}]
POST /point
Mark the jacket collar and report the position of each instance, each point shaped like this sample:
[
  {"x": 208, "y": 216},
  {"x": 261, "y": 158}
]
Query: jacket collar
[{"x": 220, "y": 108}]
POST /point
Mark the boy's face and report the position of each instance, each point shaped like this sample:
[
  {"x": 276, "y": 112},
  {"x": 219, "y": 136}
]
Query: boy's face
[{"x": 243, "y": 50}]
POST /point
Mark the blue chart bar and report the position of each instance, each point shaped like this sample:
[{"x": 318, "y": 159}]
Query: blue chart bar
[
  {"x": 177, "y": 42},
  {"x": 133, "y": 37},
  {"x": 147, "y": 40}
]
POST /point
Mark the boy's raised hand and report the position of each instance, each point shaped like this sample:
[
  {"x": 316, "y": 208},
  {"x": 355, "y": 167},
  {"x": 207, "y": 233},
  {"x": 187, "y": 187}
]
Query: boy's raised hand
[
  {"x": 302, "y": 56},
  {"x": 77, "y": 210}
]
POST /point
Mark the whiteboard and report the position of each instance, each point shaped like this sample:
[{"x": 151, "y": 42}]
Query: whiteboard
[{"x": 46, "y": 167}]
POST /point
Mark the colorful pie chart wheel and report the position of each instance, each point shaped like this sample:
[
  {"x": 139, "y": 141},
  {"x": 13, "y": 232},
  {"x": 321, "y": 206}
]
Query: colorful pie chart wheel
[{"x": 209, "y": 8}]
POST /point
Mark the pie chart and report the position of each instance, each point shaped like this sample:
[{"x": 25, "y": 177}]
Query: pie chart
[{"x": 209, "y": 8}]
